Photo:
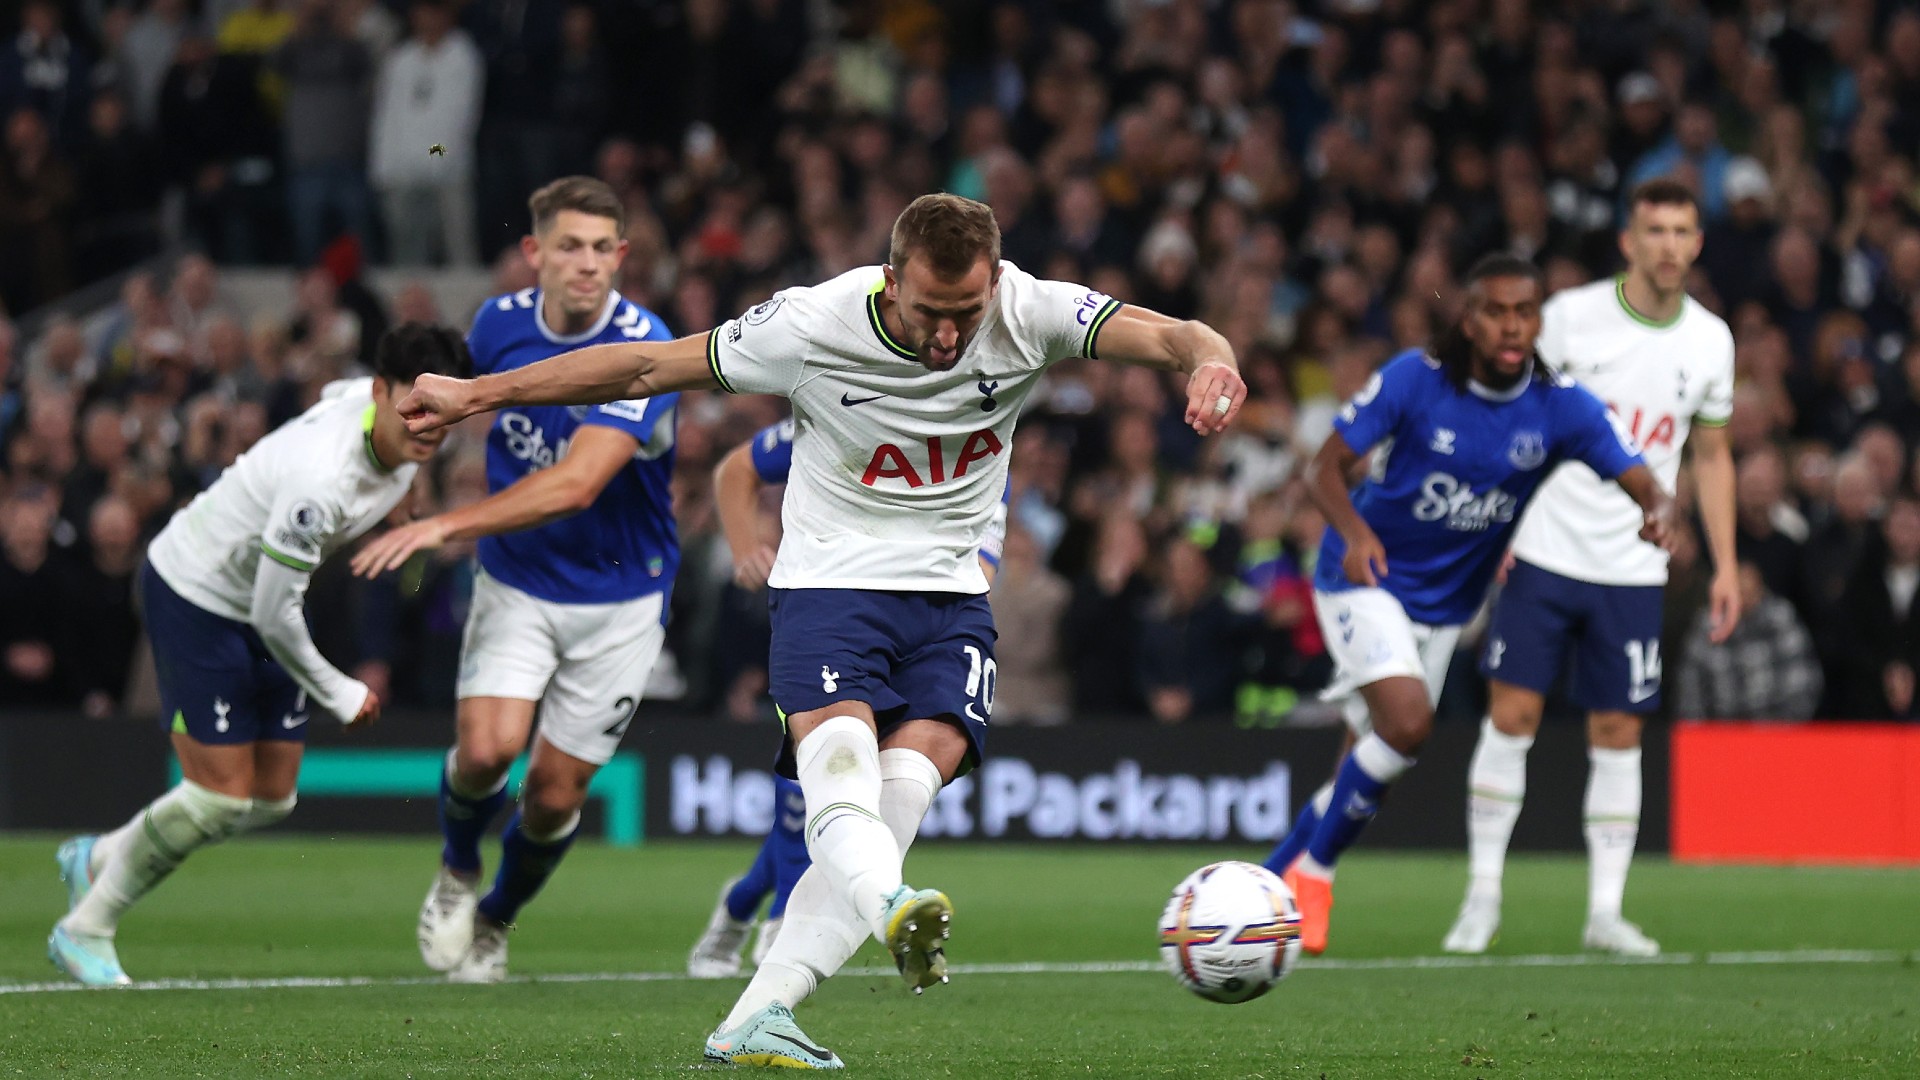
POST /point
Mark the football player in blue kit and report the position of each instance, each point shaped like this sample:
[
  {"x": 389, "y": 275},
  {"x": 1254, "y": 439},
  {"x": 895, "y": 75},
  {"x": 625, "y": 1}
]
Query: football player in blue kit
[
  {"x": 764, "y": 460},
  {"x": 577, "y": 556},
  {"x": 1462, "y": 437}
]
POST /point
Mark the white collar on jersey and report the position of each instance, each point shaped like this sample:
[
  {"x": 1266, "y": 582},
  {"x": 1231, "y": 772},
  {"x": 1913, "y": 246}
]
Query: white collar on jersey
[
  {"x": 1483, "y": 391},
  {"x": 599, "y": 325}
]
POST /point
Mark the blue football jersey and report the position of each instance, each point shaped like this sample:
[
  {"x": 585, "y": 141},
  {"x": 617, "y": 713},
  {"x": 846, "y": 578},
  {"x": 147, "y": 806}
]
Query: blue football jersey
[
  {"x": 1454, "y": 470},
  {"x": 773, "y": 460},
  {"x": 623, "y": 546}
]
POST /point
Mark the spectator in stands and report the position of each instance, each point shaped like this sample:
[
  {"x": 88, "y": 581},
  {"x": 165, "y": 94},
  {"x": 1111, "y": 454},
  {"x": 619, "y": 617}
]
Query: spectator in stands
[
  {"x": 147, "y": 52},
  {"x": 221, "y": 146},
  {"x": 115, "y": 166},
  {"x": 45, "y": 70},
  {"x": 37, "y": 192},
  {"x": 426, "y": 117},
  {"x": 1771, "y": 533},
  {"x": 329, "y": 80},
  {"x": 1735, "y": 256},
  {"x": 1028, "y": 602},
  {"x": 1099, "y": 633},
  {"x": 1192, "y": 645},
  {"x": 1767, "y": 670},
  {"x": 374, "y": 25},
  {"x": 11, "y": 398},
  {"x": 1694, "y": 146},
  {"x": 101, "y": 606},
  {"x": 1881, "y": 649},
  {"x": 35, "y": 583}
]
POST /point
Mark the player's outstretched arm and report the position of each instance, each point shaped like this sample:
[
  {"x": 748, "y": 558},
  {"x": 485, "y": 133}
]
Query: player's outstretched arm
[
  {"x": 1655, "y": 507},
  {"x": 1713, "y": 475},
  {"x": 1215, "y": 390},
  {"x": 590, "y": 376},
  {"x": 736, "y": 497},
  {"x": 1366, "y": 559},
  {"x": 593, "y": 458}
]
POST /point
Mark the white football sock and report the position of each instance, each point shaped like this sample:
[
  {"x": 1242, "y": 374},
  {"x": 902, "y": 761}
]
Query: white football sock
[
  {"x": 821, "y": 932},
  {"x": 1613, "y": 826},
  {"x": 1496, "y": 786},
  {"x": 265, "y": 812},
  {"x": 838, "y": 764},
  {"x": 165, "y": 833}
]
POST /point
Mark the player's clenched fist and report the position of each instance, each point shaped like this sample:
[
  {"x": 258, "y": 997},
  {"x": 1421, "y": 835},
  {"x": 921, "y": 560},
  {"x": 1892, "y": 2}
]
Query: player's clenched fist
[
  {"x": 1215, "y": 393},
  {"x": 437, "y": 401}
]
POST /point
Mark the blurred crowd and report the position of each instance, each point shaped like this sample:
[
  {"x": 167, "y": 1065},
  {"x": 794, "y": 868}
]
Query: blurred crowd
[{"x": 1309, "y": 178}]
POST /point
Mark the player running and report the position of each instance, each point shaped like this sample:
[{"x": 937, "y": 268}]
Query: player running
[
  {"x": 1465, "y": 436},
  {"x": 222, "y": 593},
  {"x": 906, "y": 381},
  {"x": 766, "y": 459},
  {"x": 1584, "y": 587},
  {"x": 577, "y": 554}
]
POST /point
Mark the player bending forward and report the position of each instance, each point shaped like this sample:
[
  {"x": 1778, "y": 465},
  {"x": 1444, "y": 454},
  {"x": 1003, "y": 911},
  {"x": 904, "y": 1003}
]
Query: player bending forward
[
  {"x": 766, "y": 459},
  {"x": 222, "y": 593},
  {"x": 569, "y": 609},
  {"x": 1584, "y": 586},
  {"x": 1474, "y": 428},
  {"x": 905, "y": 380}
]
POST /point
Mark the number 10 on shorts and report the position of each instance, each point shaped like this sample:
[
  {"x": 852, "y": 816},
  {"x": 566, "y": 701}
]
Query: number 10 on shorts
[{"x": 981, "y": 673}]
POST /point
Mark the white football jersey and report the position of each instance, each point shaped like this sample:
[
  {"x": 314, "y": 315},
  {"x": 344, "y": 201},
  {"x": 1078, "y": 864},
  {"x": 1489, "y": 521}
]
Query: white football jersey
[
  {"x": 1659, "y": 380},
  {"x": 897, "y": 470},
  {"x": 297, "y": 496}
]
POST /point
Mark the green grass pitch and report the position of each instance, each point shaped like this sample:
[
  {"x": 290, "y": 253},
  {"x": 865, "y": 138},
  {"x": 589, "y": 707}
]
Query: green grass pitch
[{"x": 1743, "y": 993}]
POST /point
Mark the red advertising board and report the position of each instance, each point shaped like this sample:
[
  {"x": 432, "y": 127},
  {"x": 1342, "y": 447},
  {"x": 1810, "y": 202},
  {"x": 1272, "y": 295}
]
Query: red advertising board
[{"x": 1802, "y": 793}]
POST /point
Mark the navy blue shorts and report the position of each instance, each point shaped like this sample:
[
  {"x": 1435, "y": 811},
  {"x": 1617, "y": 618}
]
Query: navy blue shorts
[
  {"x": 218, "y": 683},
  {"x": 1609, "y": 633},
  {"x": 907, "y": 655}
]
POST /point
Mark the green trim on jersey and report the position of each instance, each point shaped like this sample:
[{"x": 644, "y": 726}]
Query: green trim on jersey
[
  {"x": 1701, "y": 421},
  {"x": 366, "y": 435},
  {"x": 880, "y": 328},
  {"x": 713, "y": 360},
  {"x": 1620, "y": 294},
  {"x": 1093, "y": 328},
  {"x": 286, "y": 560}
]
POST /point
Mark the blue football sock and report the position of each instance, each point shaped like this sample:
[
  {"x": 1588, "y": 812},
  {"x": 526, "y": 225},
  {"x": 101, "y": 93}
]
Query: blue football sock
[
  {"x": 787, "y": 842},
  {"x": 745, "y": 896},
  {"x": 1363, "y": 778},
  {"x": 790, "y": 860},
  {"x": 525, "y": 865},
  {"x": 1295, "y": 842},
  {"x": 464, "y": 820}
]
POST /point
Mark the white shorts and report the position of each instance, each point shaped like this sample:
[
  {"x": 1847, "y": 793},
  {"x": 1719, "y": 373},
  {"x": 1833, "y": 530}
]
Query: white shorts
[
  {"x": 1370, "y": 638},
  {"x": 586, "y": 664}
]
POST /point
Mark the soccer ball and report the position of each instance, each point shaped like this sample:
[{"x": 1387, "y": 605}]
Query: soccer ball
[{"x": 1230, "y": 932}]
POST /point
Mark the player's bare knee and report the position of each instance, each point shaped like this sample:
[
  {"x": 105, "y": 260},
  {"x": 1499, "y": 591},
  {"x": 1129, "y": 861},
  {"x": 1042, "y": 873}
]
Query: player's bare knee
[
  {"x": 801, "y": 724},
  {"x": 1514, "y": 710},
  {"x": 547, "y": 807},
  {"x": 1614, "y": 730},
  {"x": 939, "y": 740},
  {"x": 479, "y": 763}
]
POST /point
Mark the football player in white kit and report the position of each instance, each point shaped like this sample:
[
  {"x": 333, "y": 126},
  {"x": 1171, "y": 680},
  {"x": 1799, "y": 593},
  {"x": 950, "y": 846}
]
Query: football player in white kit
[
  {"x": 222, "y": 595},
  {"x": 1583, "y": 586},
  {"x": 906, "y": 381}
]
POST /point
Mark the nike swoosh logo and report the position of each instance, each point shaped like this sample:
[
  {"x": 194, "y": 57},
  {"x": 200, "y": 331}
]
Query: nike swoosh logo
[
  {"x": 814, "y": 1050},
  {"x": 1637, "y": 696},
  {"x": 291, "y": 722},
  {"x": 846, "y": 399}
]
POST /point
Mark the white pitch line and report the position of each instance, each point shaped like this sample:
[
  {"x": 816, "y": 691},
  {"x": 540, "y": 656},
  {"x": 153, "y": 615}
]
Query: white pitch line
[{"x": 1402, "y": 963}]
